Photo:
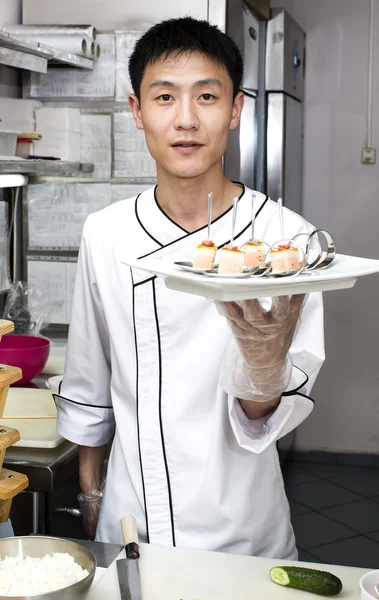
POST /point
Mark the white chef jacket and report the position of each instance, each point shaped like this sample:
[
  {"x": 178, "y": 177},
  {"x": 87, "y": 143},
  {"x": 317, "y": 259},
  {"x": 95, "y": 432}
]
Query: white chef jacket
[{"x": 143, "y": 365}]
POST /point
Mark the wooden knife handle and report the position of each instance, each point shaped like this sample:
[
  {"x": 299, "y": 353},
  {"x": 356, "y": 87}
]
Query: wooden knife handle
[
  {"x": 6, "y": 327},
  {"x": 130, "y": 536}
]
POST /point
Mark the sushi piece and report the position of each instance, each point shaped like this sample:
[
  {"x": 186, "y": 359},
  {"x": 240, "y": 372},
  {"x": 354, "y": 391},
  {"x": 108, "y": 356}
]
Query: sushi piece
[
  {"x": 285, "y": 258},
  {"x": 205, "y": 255},
  {"x": 231, "y": 261},
  {"x": 255, "y": 252}
]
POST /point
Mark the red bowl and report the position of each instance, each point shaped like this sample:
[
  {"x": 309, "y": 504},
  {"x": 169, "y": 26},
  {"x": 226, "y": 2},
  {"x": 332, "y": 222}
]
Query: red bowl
[{"x": 28, "y": 352}]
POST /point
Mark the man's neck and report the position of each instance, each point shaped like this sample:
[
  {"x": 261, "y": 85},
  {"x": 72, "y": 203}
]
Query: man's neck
[{"x": 185, "y": 201}]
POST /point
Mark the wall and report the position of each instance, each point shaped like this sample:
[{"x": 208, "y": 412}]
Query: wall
[
  {"x": 10, "y": 12},
  {"x": 341, "y": 195},
  {"x": 113, "y": 14}
]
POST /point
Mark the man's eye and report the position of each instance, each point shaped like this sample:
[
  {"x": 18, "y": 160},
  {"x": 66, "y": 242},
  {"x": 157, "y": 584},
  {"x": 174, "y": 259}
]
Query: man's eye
[
  {"x": 207, "y": 96},
  {"x": 165, "y": 97}
]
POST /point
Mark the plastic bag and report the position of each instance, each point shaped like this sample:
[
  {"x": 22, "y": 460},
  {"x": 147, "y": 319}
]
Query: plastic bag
[
  {"x": 90, "y": 505},
  {"x": 29, "y": 308}
]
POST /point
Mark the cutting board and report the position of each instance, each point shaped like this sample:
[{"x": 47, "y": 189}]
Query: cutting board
[
  {"x": 32, "y": 403},
  {"x": 98, "y": 574},
  {"x": 29, "y": 402},
  {"x": 179, "y": 574}
]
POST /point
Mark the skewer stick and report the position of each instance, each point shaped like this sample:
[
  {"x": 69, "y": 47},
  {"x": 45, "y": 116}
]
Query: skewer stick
[
  {"x": 210, "y": 197},
  {"x": 235, "y": 205},
  {"x": 253, "y": 198},
  {"x": 280, "y": 207}
]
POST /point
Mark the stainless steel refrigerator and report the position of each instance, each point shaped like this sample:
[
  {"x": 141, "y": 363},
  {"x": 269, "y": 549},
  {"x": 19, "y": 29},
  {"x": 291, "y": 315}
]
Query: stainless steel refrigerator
[{"x": 266, "y": 152}]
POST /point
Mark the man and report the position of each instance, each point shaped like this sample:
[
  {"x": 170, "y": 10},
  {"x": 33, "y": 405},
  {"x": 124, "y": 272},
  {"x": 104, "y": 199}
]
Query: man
[{"x": 195, "y": 394}]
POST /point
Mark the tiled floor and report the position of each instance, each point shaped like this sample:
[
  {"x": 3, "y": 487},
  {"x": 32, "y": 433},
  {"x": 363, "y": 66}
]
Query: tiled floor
[{"x": 335, "y": 512}]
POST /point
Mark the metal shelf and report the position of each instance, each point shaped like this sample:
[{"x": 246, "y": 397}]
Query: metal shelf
[
  {"x": 34, "y": 56},
  {"x": 22, "y": 60},
  {"x": 111, "y": 180},
  {"x": 45, "y": 167},
  {"x": 29, "y": 46}
]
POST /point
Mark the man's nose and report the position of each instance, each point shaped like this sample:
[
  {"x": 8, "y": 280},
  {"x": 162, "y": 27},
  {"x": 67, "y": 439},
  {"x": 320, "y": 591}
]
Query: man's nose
[{"x": 186, "y": 115}]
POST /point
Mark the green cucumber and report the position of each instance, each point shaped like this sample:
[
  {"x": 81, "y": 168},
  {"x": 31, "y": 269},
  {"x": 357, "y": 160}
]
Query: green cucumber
[{"x": 322, "y": 583}]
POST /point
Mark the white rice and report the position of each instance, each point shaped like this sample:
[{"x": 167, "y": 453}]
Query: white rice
[{"x": 28, "y": 576}]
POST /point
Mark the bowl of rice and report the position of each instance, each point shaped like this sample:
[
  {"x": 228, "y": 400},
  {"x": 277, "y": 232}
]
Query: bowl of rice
[{"x": 44, "y": 568}]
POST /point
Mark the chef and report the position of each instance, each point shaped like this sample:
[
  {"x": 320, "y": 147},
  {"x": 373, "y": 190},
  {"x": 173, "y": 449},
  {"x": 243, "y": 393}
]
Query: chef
[{"x": 192, "y": 393}]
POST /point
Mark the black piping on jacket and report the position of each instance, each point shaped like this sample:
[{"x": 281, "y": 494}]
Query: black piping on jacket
[
  {"x": 161, "y": 246},
  {"x": 137, "y": 410},
  {"x": 135, "y": 285}
]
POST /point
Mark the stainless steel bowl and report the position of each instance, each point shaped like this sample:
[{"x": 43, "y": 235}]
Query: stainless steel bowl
[{"x": 39, "y": 546}]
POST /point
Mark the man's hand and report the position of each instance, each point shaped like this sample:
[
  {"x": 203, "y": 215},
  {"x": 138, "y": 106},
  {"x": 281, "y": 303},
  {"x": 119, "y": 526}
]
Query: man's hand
[{"x": 258, "y": 366}]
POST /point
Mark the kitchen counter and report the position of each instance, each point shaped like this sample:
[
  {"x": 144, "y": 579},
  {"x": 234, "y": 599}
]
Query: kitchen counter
[{"x": 177, "y": 573}]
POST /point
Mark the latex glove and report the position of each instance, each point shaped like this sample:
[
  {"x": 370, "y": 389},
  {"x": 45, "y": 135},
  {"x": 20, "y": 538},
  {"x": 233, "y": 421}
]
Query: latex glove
[
  {"x": 90, "y": 505},
  {"x": 257, "y": 365}
]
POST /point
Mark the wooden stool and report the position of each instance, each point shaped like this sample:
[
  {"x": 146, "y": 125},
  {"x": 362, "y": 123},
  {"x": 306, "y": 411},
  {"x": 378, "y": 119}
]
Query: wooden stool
[{"x": 11, "y": 482}]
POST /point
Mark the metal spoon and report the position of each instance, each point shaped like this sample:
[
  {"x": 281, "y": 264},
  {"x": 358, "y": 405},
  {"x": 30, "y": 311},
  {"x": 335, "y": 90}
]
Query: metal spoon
[
  {"x": 281, "y": 220},
  {"x": 253, "y": 198},
  {"x": 376, "y": 588},
  {"x": 235, "y": 206},
  {"x": 210, "y": 197}
]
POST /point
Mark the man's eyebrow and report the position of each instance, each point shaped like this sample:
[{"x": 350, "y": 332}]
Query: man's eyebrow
[
  {"x": 208, "y": 81},
  {"x": 162, "y": 83},
  {"x": 200, "y": 83}
]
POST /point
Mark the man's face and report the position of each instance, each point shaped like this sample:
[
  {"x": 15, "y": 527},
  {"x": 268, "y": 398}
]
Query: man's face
[{"x": 186, "y": 111}]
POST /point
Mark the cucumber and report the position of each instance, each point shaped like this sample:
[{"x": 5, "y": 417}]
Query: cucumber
[{"x": 322, "y": 583}]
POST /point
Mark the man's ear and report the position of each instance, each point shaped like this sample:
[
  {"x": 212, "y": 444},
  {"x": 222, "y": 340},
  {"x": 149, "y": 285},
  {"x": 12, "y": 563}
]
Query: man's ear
[
  {"x": 135, "y": 107},
  {"x": 237, "y": 110}
]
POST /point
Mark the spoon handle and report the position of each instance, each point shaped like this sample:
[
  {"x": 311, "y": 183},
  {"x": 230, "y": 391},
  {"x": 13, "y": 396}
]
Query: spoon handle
[
  {"x": 280, "y": 207},
  {"x": 210, "y": 197},
  {"x": 253, "y": 198},
  {"x": 235, "y": 205}
]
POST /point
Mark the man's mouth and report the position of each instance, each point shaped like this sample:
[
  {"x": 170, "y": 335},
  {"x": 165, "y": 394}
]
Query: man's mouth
[{"x": 187, "y": 146}]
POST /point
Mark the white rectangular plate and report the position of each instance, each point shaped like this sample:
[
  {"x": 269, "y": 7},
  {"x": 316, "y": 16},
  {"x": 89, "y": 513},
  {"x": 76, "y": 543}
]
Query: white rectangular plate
[{"x": 341, "y": 274}]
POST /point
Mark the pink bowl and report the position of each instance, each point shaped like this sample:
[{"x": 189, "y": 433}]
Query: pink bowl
[{"x": 28, "y": 352}]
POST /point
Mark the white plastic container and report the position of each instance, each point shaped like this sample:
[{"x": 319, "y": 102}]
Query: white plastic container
[
  {"x": 8, "y": 142},
  {"x": 24, "y": 148}
]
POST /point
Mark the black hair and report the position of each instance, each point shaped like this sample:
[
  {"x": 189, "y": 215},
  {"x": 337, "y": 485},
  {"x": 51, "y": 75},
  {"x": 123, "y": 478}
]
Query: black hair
[{"x": 181, "y": 36}]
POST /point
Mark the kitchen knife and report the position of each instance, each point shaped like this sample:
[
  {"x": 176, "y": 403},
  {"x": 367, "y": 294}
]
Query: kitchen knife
[{"x": 128, "y": 568}]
